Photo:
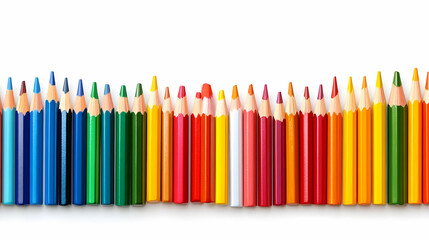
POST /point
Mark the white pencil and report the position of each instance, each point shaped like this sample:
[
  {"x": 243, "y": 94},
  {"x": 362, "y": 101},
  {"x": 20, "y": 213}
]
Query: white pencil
[{"x": 235, "y": 150}]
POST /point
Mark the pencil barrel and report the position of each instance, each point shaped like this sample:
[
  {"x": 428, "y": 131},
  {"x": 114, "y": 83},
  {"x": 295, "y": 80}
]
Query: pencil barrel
[
  {"x": 51, "y": 126},
  {"x": 153, "y": 193},
  {"x": 250, "y": 147},
  {"x": 264, "y": 161},
  {"x": 349, "y": 157},
  {"x": 364, "y": 157},
  {"x": 195, "y": 158},
  {"x": 79, "y": 157},
  {"x": 236, "y": 158},
  {"x": 107, "y": 157},
  {"x": 279, "y": 162},
  {"x": 93, "y": 159},
  {"x": 334, "y": 161},
  {"x": 306, "y": 158},
  {"x": 320, "y": 158},
  {"x": 180, "y": 161},
  {"x": 22, "y": 158},
  {"x": 379, "y": 154},
  {"x": 415, "y": 152},
  {"x": 137, "y": 125},
  {"x": 123, "y": 158},
  {"x": 292, "y": 158},
  {"x": 64, "y": 156},
  {"x": 221, "y": 160},
  {"x": 167, "y": 157}
]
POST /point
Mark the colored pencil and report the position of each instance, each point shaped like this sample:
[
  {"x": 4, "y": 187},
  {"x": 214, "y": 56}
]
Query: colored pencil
[
  {"x": 279, "y": 153},
  {"x": 221, "y": 150},
  {"x": 207, "y": 146},
  {"x": 180, "y": 148},
  {"x": 123, "y": 156},
  {"x": 93, "y": 148},
  {"x": 292, "y": 148},
  {"x": 196, "y": 149},
  {"x": 138, "y": 149},
  {"x": 306, "y": 150},
  {"x": 415, "y": 142},
  {"x": 167, "y": 149},
  {"x": 107, "y": 147},
  {"x": 79, "y": 147},
  {"x": 335, "y": 139},
  {"x": 154, "y": 144},
  {"x": 236, "y": 149},
  {"x": 425, "y": 142},
  {"x": 36, "y": 146},
  {"x": 51, "y": 119},
  {"x": 350, "y": 147},
  {"x": 379, "y": 144},
  {"x": 22, "y": 144},
  {"x": 64, "y": 146},
  {"x": 364, "y": 147},
  {"x": 320, "y": 146},
  {"x": 8, "y": 168},
  {"x": 250, "y": 147},
  {"x": 397, "y": 124},
  {"x": 264, "y": 151}
]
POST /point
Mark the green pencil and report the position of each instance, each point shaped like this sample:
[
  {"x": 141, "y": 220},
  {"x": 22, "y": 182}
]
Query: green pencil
[
  {"x": 138, "y": 152},
  {"x": 397, "y": 143},
  {"x": 123, "y": 147},
  {"x": 93, "y": 148}
]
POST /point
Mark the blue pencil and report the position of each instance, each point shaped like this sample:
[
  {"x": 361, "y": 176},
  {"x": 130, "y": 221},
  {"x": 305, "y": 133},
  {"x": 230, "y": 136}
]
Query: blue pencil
[
  {"x": 79, "y": 148},
  {"x": 51, "y": 111},
  {"x": 8, "y": 168},
  {"x": 36, "y": 146},
  {"x": 107, "y": 147},
  {"x": 64, "y": 146},
  {"x": 22, "y": 144}
]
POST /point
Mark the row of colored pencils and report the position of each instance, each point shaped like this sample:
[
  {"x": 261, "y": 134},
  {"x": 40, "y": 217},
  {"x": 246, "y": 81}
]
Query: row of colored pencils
[{"x": 244, "y": 156}]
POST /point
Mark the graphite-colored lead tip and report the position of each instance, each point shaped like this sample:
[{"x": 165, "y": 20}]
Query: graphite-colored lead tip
[
  {"x": 306, "y": 93},
  {"x": 198, "y": 95},
  {"x": 94, "y": 91},
  {"x": 106, "y": 89},
  {"x": 182, "y": 92},
  {"x": 379, "y": 83},
  {"x": 265, "y": 94},
  {"x": 167, "y": 93},
  {"x": 427, "y": 82},
  {"x": 250, "y": 90},
  {"x": 52, "y": 79},
  {"x": 320, "y": 94},
  {"x": 66, "y": 85},
  {"x": 290, "y": 90},
  {"x": 206, "y": 90},
  {"x": 364, "y": 83},
  {"x": 221, "y": 95},
  {"x": 279, "y": 98},
  {"x": 9, "y": 83},
  {"x": 139, "y": 90},
  {"x": 36, "y": 88},
  {"x": 154, "y": 86},
  {"x": 350, "y": 86},
  {"x": 234, "y": 92},
  {"x": 415, "y": 75},
  {"x": 123, "y": 92},
  {"x": 80, "y": 88},
  {"x": 23, "y": 88},
  {"x": 397, "y": 79},
  {"x": 334, "y": 88}
]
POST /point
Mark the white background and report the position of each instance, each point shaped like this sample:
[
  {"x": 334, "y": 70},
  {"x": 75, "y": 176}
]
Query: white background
[{"x": 223, "y": 43}]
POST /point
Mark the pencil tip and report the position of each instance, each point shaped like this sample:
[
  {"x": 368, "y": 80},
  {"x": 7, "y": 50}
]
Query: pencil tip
[
  {"x": 106, "y": 89},
  {"x": 139, "y": 90},
  {"x": 66, "y": 85},
  {"x": 206, "y": 90},
  {"x": 320, "y": 94},
  {"x": 279, "y": 98},
  {"x": 80, "y": 88},
  {"x": 350, "y": 86},
  {"x": 94, "y": 91},
  {"x": 415, "y": 75},
  {"x": 52, "y": 79},
  {"x": 36, "y": 88},
  {"x": 23, "y": 88},
  {"x": 167, "y": 93},
  {"x": 250, "y": 90},
  {"x": 364, "y": 83},
  {"x": 397, "y": 79},
  {"x": 154, "y": 86},
  {"x": 198, "y": 95},
  {"x": 9, "y": 84},
  {"x": 234, "y": 92},
  {"x": 334, "y": 88},
  {"x": 306, "y": 93},
  {"x": 290, "y": 90},
  {"x": 221, "y": 95},
  {"x": 379, "y": 83},
  {"x": 182, "y": 92},
  {"x": 123, "y": 92},
  {"x": 265, "y": 94}
]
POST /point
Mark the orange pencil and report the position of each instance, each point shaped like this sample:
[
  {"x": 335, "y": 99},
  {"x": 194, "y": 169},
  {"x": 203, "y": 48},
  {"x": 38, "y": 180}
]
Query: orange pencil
[
  {"x": 292, "y": 149},
  {"x": 167, "y": 149},
  {"x": 207, "y": 146}
]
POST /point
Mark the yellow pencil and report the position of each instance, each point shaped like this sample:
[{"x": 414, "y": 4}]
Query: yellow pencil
[
  {"x": 349, "y": 147},
  {"x": 221, "y": 196},
  {"x": 364, "y": 147},
  {"x": 154, "y": 144},
  {"x": 415, "y": 142},
  {"x": 379, "y": 144}
]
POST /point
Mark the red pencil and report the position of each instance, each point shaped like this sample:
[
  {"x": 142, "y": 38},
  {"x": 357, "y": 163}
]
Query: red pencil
[
  {"x": 425, "y": 142},
  {"x": 279, "y": 153},
  {"x": 196, "y": 149},
  {"x": 180, "y": 148},
  {"x": 320, "y": 144},
  {"x": 306, "y": 150},
  {"x": 264, "y": 153},
  {"x": 250, "y": 122},
  {"x": 207, "y": 146}
]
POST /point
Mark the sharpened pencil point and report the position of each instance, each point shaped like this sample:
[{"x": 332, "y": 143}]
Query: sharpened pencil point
[
  {"x": 94, "y": 91},
  {"x": 206, "y": 90},
  {"x": 250, "y": 90},
  {"x": 23, "y": 88},
  {"x": 334, "y": 88},
  {"x": 106, "y": 89},
  {"x": 139, "y": 90},
  {"x": 221, "y": 95},
  {"x": 9, "y": 84},
  {"x": 154, "y": 86},
  {"x": 415, "y": 75},
  {"x": 379, "y": 83},
  {"x": 36, "y": 88},
  {"x": 198, "y": 95},
  {"x": 182, "y": 92},
  {"x": 66, "y": 85},
  {"x": 279, "y": 98},
  {"x": 320, "y": 94},
  {"x": 306, "y": 93},
  {"x": 290, "y": 90},
  {"x": 350, "y": 86},
  {"x": 167, "y": 93},
  {"x": 265, "y": 94},
  {"x": 234, "y": 92},
  {"x": 80, "y": 88},
  {"x": 364, "y": 83},
  {"x": 52, "y": 79},
  {"x": 427, "y": 81},
  {"x": 397, "y": 79},
  {"x": 123, "y": 92}
]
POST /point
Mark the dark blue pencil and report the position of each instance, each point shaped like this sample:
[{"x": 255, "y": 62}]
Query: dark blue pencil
[
  {"x": 107, "y": 147},
  {"x": 79, "y": 148},
  {"x": 64, "y": 145}
]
